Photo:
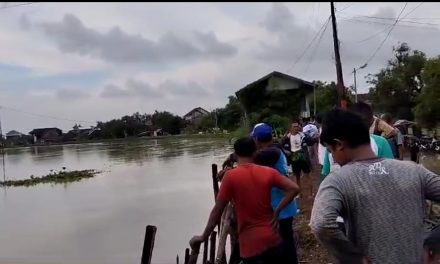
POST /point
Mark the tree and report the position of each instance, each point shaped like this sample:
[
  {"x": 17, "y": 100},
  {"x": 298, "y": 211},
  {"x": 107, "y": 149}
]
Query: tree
[
  {"x": 326, "y": 96},
  {"x": 396, "y": 88},
  {"x": 279, "y": 124},
  {"x": 231, "y": 115},
  {"x": 129, "y": 126},
  {"x": 168, "y": 122},
  {"x": 427, "y": 111}
]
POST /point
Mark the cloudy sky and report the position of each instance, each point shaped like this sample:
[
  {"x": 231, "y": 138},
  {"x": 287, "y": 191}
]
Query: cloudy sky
[{"x": 62, "y": 63}]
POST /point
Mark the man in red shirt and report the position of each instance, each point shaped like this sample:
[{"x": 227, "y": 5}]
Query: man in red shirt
[{"x": 249, "y": 186}]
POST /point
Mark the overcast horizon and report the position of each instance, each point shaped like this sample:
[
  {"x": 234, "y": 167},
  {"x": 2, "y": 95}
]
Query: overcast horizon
[{"x": 67, "y": 62}]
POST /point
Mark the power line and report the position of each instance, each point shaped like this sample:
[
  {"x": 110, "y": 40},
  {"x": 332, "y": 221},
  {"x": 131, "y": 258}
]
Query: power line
[
  {"x": 388, "y": 24},
  {"x": 317, "y": 45},
  {"x": 16, "y": 5},
  {"x": 372, "y": 36},
  {"x": 46, "y": 116},
  {"x": 348, "y": 6},
  {"x": 403, "y": 20},
  {"x": 389, "y": 33},
  {"x": 414, "y": 9},
  {"x": 308, "y": 46}
]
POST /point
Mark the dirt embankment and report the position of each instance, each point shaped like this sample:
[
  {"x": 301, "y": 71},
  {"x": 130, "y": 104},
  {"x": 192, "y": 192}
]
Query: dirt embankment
[{"x": 310, "y": 251}]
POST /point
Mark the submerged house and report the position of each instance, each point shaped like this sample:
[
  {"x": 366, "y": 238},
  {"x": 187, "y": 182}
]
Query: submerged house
[{"x": 278, "y": 93}]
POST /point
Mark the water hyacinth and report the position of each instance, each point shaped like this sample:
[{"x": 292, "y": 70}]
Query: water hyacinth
[{"x": 53, "y": 177}]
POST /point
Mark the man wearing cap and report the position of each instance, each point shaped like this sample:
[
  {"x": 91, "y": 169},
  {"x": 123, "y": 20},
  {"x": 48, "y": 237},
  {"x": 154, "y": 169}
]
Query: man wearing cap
[{"x": 271, "y": 155}]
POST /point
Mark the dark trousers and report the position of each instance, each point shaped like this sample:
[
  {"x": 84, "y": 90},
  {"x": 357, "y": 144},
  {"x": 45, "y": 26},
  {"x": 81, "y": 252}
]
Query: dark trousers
[
  {"x": 288, "y": 245},
  {"x": 270, "y": 256}
]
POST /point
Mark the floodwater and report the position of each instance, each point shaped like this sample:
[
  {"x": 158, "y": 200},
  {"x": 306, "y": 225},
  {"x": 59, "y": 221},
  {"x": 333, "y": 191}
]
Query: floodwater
[{"x": 102, "y": 220}]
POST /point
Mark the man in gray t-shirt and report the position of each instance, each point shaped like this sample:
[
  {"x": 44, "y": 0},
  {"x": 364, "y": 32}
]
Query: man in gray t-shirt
[{"x": 381, "y": 200}]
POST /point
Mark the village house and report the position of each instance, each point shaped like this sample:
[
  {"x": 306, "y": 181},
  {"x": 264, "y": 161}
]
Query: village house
[
  {"x": 78, "y": 133},
  {"x": 46, "y": 135},
  {"x": 195, "y": 116},
  {"x": 279, "y": 93},
  {"x": 13, "y": 135}
]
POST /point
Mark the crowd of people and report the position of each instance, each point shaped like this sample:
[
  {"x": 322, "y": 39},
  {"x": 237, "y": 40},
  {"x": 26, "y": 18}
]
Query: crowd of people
[{"x": 370, "y": 204}]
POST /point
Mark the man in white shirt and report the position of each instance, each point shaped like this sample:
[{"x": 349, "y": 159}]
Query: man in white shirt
[{"x": 294, "y": 143}]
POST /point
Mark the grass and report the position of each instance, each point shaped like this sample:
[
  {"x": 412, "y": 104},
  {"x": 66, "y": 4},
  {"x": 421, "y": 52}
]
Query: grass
[{"x": 53, "y": 177}]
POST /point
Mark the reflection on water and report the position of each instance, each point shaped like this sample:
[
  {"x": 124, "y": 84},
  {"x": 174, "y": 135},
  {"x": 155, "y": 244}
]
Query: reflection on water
[{"x": 101, "y": 220}]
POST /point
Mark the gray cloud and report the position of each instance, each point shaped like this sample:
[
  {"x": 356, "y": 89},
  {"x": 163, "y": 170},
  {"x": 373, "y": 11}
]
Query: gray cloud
[
  {"x": 133, "y": 88},
  {"x": 359, "y": 38},
  {"x": 70, "y": 94},
  {"x": 277, "y": 18},
  {"x": 24, "y": 22},
  {"x": 114, "y": 91},
  {"x": 190, "y": 88},
  {"x": 117, "y": 46},
  {"x": 168, "y": 88}
]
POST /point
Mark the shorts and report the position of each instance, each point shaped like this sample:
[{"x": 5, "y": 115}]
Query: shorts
[{"x": 300, "y": 165}]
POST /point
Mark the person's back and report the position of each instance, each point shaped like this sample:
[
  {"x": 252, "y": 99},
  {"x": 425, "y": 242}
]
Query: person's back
[
  {"x": 254, "y": 212},
  {"x": 381, "y": 200},
  {"x": 274, "y": 157},
  {"x": 383, "y": 207},
  {"x": 248, "y": 187}
]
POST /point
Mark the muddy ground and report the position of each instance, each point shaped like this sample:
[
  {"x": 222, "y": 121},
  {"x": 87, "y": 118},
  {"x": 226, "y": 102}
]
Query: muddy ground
[{"x": 309, "y": 249}]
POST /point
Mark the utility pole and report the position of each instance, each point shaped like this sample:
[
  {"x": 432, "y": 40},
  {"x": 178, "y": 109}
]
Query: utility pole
[
  {"x": 355, "y": 87},
  {"x": 342, "y": 95},
  {"x": 314, "y": 100},
  {"x": 355, "y": 82},
  {"x": 216, "y": 119},
  {"x": 2, "y": 145}
]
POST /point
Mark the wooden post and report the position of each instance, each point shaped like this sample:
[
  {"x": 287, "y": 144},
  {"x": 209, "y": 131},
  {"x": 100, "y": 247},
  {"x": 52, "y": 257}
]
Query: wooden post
[
  {"x": 187, "y": 256},
  {"x": 212, "y": 247},
  {"x": 194, "y": 255},
  {"x": 177, "y": 259},
  {"x": 215, "y": 187},
  {"x": 147, "y": 251},
  {"x": 214, "y": 180},
  {"x": 205, "y": 252}
]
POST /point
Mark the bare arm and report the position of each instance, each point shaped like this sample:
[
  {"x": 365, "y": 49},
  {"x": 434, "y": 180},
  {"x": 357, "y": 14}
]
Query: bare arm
[
  {"x": 387, "y": 130},
  {"x": 214, "y": 219},
  {"x": 223, "y": 198}
]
